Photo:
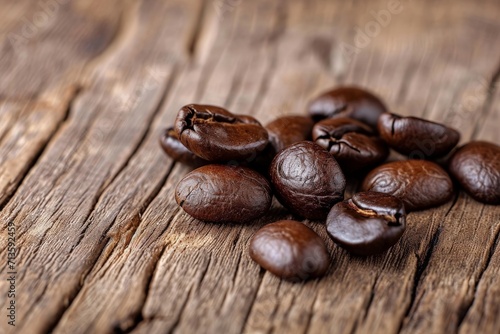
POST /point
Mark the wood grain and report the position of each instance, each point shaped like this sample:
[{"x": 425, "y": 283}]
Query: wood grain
[{"x": 104, "y": 248}]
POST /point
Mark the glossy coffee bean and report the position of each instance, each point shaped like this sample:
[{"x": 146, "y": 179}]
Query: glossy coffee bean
[
  {"x": 416, "y": 137},
  {"x": 351, "y": 142},
  {"x": 223, "y": 194},
  {"x": 368, "y": 223},
  {"x": 307, "y": 180},
  {"x": 290, "y": 250},
  {"x": 476, "y": 166},
  {"x": 215, "y": 134},
  {"x": 287, "y": 130},
  {"x": 420, "y": 184},
  {"x": 350, "y": 102},
  {"x": 177, "y": 151}
]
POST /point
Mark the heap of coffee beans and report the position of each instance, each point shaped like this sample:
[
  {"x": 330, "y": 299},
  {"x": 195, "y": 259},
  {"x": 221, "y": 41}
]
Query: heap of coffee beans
[{"x": 304, "y": 161}]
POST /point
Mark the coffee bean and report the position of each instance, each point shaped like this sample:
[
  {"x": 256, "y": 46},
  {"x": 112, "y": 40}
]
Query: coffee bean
[
  {"x": 177, "y": 151},
  {"x": 350, "y": 102},
  {"x": 368, "y": 223},
  {"x": 351, "y": 142},
  {"x": 216, "y": 134},
  {"x": 416, "y": 137},
  {"x": 287, "y": 130},
  {"x": 476, "y": 166},
  {"x": 222, "y": 193},
  {"x": 307, "y": 180},
  {"x": 290, "y": 250},
  {"x": 420, "y": 184}
]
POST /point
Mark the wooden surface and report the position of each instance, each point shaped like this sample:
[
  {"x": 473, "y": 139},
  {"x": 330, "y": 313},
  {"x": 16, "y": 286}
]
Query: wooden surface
[{"x": 102, "y": 245}]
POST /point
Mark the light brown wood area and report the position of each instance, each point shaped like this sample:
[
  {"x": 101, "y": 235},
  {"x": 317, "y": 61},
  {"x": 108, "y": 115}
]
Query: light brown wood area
[{"x": 102, "y": 247}]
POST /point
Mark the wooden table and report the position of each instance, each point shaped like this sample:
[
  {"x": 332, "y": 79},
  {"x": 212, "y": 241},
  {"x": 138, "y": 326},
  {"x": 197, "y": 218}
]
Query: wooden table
[{"x": 85, "y": 89}]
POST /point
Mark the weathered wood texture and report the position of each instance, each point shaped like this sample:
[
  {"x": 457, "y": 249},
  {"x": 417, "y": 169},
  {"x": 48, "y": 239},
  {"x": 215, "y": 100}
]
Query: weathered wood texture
[{"x": 102, "y": 245}]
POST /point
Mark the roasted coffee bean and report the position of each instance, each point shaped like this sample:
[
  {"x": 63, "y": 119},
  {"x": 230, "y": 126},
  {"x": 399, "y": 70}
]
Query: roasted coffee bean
[
  {"x": 215, "y": 134},
  {"x": 476, "y": 166},
  {"x": 287, "y": 130},
  {"x": 307, "y": 180},
  {"x": 351, "y": 142},
  {"x": 368, "y": 223},
  {"x": 420, "y": 184},
  {"x": 416, "y": 137},
  {"x": 177, "y": 151},
  {"x": 222, "y": 194},
  {"x": 350, "y": 102},
  {"x": 290, "y": 250}
]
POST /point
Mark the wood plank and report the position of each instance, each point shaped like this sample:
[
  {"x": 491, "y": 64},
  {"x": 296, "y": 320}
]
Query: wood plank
[
  {"x": 151, "y": 231},
  {"x": 212, "y": 280},
  {"x": 108, "y": 121},
  {"x": 36, "y": 92},
  {"x": 26, "y": 127}
]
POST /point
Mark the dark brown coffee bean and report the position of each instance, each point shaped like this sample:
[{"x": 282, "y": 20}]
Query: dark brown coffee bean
[
  {"x": 307, "y": 180},
  {"x": 177, "y": 151},
  {"x": 222, "y": 193},
  {"x": 420, "y": 184},
  {"x": 368, "y": 223},
  {"x": 351, "y": 142},
  {"x": 476, "y": 166},
  {"x": 290, "y": 250},
  {"x": 350, "y": 102},
  {"x": 416, "y": 137},
  {"x": 287, "y": 130},
  {"x": 215, "y": 134}
]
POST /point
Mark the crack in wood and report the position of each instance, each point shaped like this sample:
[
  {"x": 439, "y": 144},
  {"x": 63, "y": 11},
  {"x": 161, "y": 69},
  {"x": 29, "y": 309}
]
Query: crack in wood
[
  {"x": 192, "y": 289},
  {"x": 468, "y": 305},
  {"x": 233, "y": 281},
  {"x": 181, "y": 311},
  {"x": 135, "y": 149},
  {"x": 455, "y": 199},
  {"x": 102, "y": 191},
  {"x": 370, "y": 299},
  {"x": 75, "y": 93},
  {"x": 419, "y": 274},
  {"x": 138, "y": 318},
  {"x": 150, "y": 121},
  {"x": 194, "y": 40},
  {"x": 367, "y": 305},
  {"x": 126, "y": 25},
  {"x": 252, "y": 300},
  {"x": 307, "y": 328},
  {"x": 276, "y": 306},
  {"x": 96, "y": 260}
]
